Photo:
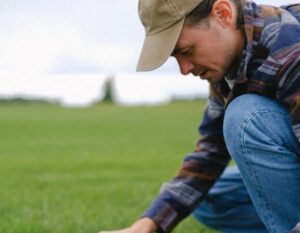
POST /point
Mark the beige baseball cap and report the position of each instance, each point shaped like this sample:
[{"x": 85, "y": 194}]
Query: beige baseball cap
[{"x": 163, "y": 21}]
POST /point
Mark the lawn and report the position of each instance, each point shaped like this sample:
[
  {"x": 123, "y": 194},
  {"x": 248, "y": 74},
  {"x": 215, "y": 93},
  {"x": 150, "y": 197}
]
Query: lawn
[{"x": 86, "y": 170}]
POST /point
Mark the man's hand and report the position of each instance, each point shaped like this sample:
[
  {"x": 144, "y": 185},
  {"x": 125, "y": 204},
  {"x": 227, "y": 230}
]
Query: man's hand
[{"x": 143, "y": 225}]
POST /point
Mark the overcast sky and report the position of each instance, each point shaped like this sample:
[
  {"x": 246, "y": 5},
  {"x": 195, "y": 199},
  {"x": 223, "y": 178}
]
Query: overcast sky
[
  {"x": 73, "y": 36},
  {"x": 69, "y": 35}
]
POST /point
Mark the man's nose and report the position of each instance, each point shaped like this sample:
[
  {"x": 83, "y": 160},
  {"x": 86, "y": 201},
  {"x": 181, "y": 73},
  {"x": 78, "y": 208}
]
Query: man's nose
[{"x": 185, "y": 65}]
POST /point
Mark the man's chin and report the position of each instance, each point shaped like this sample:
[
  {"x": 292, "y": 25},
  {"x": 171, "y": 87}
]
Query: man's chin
[{"x": 211, "y": 80}]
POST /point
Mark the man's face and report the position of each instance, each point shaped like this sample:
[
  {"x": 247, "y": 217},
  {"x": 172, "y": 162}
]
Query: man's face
[{"x": 208, "y": 51}]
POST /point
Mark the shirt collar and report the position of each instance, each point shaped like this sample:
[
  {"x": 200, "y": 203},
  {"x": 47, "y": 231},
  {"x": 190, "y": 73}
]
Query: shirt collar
[{"x": 251, "y": 12}]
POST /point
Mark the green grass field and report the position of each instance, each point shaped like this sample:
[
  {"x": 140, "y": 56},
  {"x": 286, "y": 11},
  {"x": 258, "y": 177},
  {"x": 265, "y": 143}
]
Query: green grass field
[{"x": 86, "y": 170}]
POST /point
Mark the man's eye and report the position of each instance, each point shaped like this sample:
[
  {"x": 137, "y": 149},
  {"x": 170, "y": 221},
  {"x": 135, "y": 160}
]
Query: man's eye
[{"x": 186, "y": 52}]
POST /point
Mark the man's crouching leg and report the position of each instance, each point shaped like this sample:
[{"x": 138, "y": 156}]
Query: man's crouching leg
[
  {"x": 259, "y": 136},
  {"x": 228, "y": 207}
]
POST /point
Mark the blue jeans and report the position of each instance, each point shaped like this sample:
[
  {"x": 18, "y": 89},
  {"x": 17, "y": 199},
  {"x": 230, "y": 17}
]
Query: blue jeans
[{"x": 263, "y": 193}]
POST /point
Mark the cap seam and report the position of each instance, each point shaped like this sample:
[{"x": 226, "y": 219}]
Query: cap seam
[
  {"x": 165, "y": 28},
  {"x": 174, "y": 9}
]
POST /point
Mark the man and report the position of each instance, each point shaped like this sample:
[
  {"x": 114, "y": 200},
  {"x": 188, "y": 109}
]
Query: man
[{"x": 250, "y": 55}]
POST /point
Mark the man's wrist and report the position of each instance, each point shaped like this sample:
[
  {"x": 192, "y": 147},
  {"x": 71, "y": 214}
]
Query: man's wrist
[{"x": 144, "y": 225}]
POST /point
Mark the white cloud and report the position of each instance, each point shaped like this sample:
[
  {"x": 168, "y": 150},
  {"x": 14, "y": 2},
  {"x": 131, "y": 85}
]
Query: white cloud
[
  {"x": 33, "y": 48},
  {"x": 42, "y": 33},
  {"x": 72, "y": 90},
  {"x": 149, "y": 89}
]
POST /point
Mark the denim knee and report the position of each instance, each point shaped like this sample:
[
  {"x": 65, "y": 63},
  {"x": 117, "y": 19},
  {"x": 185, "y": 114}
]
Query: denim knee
[
  {"x": 259, "y": 120},
  {"x": 237, "y": 114}
]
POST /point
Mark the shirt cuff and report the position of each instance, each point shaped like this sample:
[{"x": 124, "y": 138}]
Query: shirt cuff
[{"x": 163, "y": 215}]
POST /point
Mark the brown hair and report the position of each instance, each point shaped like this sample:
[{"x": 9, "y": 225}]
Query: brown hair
[{"x": 202, "y": 11}]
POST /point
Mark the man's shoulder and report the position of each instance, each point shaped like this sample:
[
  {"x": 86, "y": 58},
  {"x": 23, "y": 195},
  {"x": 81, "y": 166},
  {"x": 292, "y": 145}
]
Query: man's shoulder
[{"x": 280, "y": 28}]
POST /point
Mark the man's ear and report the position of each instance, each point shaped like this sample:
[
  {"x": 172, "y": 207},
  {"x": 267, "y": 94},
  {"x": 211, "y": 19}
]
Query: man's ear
[{"x": 224, "y": 12}]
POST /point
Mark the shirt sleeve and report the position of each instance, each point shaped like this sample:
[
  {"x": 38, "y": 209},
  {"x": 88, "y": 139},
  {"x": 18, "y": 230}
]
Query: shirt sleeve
[
  {"x": 200, "y": 169},
  {"x": 289, "y": 90},
  {"x": 285, "y": 61}
]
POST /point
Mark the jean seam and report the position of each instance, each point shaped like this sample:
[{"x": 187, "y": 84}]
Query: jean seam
[{"x": 252, "y": 173}]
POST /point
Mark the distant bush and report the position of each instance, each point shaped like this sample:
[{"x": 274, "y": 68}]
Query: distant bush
[
  {"x": 108, "y": 96},
  {"x": 19, "y": 100}
]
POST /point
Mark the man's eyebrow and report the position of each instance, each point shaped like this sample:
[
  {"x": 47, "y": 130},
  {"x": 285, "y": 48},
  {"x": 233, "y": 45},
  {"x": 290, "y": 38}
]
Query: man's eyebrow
[{"x": 175, "y": 51}]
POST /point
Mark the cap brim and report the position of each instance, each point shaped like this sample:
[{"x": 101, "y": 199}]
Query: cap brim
[{"x": 157, "y": 48}]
